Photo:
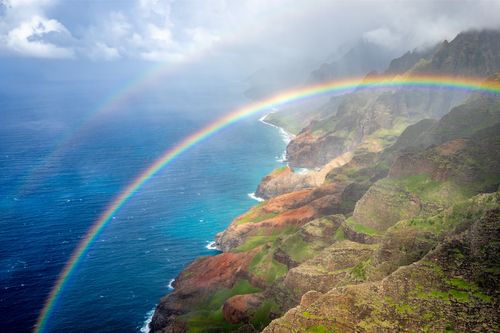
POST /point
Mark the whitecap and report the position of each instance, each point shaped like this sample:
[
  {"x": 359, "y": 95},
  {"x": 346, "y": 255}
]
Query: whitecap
[
  {"x": 211, "y": 246},
  {"x": 145, "y": 326},
  {"x": 282, "y": 158},
  {"x": 170, "y": 284},
  {"x": 285, "y": 136},
  {"x": 254, "y": 197}
]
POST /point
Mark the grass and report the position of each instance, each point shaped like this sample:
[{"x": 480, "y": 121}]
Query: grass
[
  {"x": 264, "y": 236},
  {"x": 429, "y": 190},
  {"x": 462, "y": 291},
  {"x": 462, "y": 284},
  {"x": 359, "y": 228},
  {"x": 461, "y": 296},
  {"x": 241, "y": 287},
  {"x": 255, "y": 241},
  {"x": 318, "y": 329},
  {"x": 265, "y": 267},
  {"x": 254, "y": 215},
  {"x": 387, "y": 136},
  {"x": 339, "y": 234},
  {"x": 358, "y": 272},
  {"x": 199, "y": 321},
  {"x": 297, "y": 248},
  {"x": 261, "y": 317},
  {"x": 459, "y": 214},
  {"x": 209, "y": 313}
]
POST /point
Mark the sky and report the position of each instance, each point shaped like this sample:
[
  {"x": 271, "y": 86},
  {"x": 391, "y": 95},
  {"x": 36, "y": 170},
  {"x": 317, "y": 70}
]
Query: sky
[{"x": 249, "y": 33}]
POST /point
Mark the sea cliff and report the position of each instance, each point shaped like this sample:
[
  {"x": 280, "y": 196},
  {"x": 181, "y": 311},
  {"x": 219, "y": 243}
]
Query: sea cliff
[{"x": 397, "y": 229}]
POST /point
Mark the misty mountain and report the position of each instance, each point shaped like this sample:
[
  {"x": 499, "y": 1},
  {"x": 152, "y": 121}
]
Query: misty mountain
[
  {"x": 365, "y": 113},
  {"x": 360, "y": 59}
]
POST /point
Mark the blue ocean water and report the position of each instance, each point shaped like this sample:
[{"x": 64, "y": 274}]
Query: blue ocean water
[{"x": 49, "y": 200}]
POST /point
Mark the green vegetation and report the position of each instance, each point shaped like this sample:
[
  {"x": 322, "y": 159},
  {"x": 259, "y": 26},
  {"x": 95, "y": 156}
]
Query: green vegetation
[
  {"x": 358, "y": 272},
  {"x": 265, "y": 236},
  {"x": 198, "y": 321},
  {"x": 310, "y": 315},
  {"x": 256, "y": 214},
  {"x": 459, "y": 214},
  {"x": 255, "y": 241},
  {"x": 265, "y": 267},
  {"x": 387, "y": 136},
  {"x": 279, "y": 171},
  {"x": 209, "y": 312},
  {"x": 339, "y": 234},
  {"x": 318, "y": 329},
  {"x": 241, "y": 287},
  {"x": 297, "y": 248},
  {"x": 359, "y": 228},
  {"x": 261, "y": 317}
]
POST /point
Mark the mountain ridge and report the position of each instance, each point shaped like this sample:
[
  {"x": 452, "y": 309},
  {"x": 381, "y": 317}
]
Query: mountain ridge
[{"x": 401, "y": 235}]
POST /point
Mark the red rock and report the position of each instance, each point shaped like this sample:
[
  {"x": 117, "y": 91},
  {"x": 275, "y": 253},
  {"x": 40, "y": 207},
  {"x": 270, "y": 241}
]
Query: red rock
[{"x": 239, "y": 308}]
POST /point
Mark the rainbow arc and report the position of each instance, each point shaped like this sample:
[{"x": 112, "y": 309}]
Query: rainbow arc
[{"x": 470, "y": 85}]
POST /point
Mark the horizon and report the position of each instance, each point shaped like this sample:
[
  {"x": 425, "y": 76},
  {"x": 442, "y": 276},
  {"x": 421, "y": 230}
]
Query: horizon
[{"x": 141, "y": 135}]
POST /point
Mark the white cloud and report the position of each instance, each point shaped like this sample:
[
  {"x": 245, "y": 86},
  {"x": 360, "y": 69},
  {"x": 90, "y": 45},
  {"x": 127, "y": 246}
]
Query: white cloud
[
  {"x": 101, "y": 51},
  {"x": 26, "y": 31},
  {"x": 382, "y": 36},
  {"x": 30, "y": 38},
  {"x": 180, "y": 30}
]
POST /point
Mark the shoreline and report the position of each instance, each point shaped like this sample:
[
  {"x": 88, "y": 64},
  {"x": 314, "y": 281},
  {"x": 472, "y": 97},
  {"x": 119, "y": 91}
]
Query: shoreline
[
  {"x": 211, "y": 245},
  {"x": 285, "y": 135}
]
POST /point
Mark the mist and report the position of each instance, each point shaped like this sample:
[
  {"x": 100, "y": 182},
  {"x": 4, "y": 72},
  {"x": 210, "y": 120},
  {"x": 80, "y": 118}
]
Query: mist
[{"x": 228, "y": 37}]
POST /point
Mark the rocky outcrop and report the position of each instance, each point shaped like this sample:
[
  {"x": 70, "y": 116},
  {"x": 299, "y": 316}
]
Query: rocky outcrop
[
  {"x": 291, "y": 209},
  {"x": 240, "y": 308},
  {"x": 333, "y": 266},
  {"x": 398, "y": 204},
  {"x": 195, "y": 284},
  {"x": 285, "y": 180},
  {"x": 282, "y": 181},
  {"x": 453, "y": 288}
]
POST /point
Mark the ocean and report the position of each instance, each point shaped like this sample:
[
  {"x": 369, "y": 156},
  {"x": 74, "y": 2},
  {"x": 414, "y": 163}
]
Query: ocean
[{"x": 59, "y": 171}]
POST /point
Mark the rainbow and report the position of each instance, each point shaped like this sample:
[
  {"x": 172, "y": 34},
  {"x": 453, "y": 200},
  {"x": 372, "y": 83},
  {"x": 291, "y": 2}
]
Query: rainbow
[
  {"x": 113, "y": 102},
  {"x": 151, "y": 76},
  {"x": 338, "y": 87}
]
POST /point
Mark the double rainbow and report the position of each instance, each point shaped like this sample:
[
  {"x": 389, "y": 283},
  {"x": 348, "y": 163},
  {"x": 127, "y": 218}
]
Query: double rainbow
[{"x": 338, "y": 87}]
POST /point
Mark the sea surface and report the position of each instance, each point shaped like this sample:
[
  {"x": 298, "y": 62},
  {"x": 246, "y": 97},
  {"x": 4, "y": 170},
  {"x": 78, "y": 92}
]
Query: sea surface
[{"x": 61, "y": 166}]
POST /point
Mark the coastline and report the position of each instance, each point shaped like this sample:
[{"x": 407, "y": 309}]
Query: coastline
[
  {"x": 211, "y": 245},
  {"x": 285, "y": 135}
]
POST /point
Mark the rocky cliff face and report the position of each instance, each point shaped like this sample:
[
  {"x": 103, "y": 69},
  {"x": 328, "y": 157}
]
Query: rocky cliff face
[
  {"x": 364, "y": 114},
  {"x": 452, "y": 288},
  {"x": 284, "y": 180},
  {"x": 401, "y": 236}
]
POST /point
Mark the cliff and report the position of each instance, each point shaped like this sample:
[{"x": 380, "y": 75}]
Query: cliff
[
  {"x": 285, "y": 180},
  {"x": 399, "y": 233},
  {"x": 335, "y": 248},
  {"x": 370, "y": 113}
]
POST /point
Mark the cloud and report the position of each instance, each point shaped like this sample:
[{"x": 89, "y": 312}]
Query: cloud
[
  {"x": 33, "y": 38},
  {"x": 25, "y": 31},
  {"x": 101, "y": 51},
  {"x": 409, "y": 25},
  {"x": 247, "y": 31},
  {"x": 382, "y": 36}
]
